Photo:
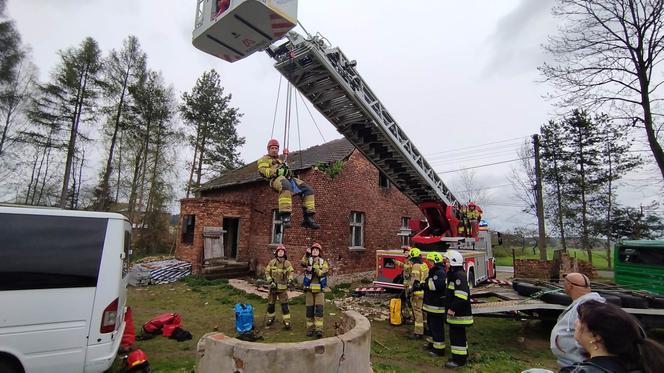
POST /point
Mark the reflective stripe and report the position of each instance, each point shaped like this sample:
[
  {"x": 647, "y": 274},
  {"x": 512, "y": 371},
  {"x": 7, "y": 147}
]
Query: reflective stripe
[
  {"x": 270, "y": 315},
  {"x": 432, "y": 286},
  {"x": 450, "y": 285},
  {"x": 419, "y": 292},
  {"x": 282, "y": 287},
  {"x": 419, "y": 324},
  {"x": 429, "y": 339},
  {"x": 309, "y": 324},
  {"x": 459, "y": 350},
  {"x": 439, "y": 345},
  {"x": 285, "y": 199},
  {"x": 287, "y": 316},
  {"x": 460, "y": 320},
  {"x": 461, "y": 294},
  {"x": 433, "y": 309},
  {"x": 314, "y": 287},
  {"x": 318, "y": 323}
]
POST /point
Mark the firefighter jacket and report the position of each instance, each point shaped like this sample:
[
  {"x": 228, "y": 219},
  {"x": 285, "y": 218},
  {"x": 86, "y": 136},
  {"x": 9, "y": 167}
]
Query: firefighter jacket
[
  {"x": 418, "y": 273},
  {"x": 280, "y": 273},
  {"x": 316, "y": 279},
  {"x": 268, "y": 166},
  {"x": 458, "y": 297},
  {"x": 434, "y": 290},
  {"x": 407, "y": 269}
]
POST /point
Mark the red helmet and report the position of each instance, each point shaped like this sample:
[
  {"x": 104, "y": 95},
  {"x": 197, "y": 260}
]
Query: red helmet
[
  {"x": 272, "y": 142},
  {"x": 316, "y": 245},
  {"x": 280, "y": 248},
  {"x": 136, "y": 358}
]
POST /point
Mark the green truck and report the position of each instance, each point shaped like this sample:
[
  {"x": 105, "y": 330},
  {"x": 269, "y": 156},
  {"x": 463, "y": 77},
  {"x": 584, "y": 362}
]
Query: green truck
[{"x": 639, "y": 265}]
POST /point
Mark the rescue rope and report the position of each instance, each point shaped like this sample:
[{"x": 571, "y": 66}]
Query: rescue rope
[{"x": 276, "y": 105}]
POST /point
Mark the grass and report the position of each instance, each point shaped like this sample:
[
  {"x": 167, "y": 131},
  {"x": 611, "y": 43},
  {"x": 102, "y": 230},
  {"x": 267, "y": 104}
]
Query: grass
[
  {"x": 504, "y": 256},
  {"x": 496, "y": 345}
]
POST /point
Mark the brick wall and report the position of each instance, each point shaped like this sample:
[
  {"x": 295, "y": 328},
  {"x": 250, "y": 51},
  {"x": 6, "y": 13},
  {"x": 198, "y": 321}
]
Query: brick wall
[
  {"x": 532, "y": 268},
  {"x": 354, "y": 189}
]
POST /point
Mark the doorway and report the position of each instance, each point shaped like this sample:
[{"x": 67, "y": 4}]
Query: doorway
[{"x": 231, "y": 235}]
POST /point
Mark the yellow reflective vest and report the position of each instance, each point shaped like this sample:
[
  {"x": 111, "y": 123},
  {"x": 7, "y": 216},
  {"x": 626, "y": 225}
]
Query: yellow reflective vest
[
  {"x": 267, "y": 166},
  {"x": 280, "y": 273}
]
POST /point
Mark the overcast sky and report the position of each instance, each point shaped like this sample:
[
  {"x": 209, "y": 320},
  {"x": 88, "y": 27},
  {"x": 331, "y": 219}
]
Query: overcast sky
[{"x": 460, "y": 78}]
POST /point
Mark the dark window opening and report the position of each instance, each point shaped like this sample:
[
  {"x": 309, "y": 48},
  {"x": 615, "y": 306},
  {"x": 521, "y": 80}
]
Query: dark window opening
[
  {"x": 188, "y": 225},
  {"x": 389, "y": 263},
  {"x": 383, "y": 181},
  {"x": 642, "y": 255}
]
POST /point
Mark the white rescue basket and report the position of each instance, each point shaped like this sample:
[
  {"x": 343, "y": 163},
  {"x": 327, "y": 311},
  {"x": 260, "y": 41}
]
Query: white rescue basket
[{"x": 234, "y": 29}]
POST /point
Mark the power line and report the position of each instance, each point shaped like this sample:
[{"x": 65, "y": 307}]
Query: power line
[
  {"x": 477, "y": 145},
  {"x": 480, "y": 166},
  {"x": 473, "y": 158}
]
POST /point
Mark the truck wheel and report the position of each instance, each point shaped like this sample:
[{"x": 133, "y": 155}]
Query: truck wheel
[
  {"x": 557, "y": 298},
  {"x": 9, "y": 366}
]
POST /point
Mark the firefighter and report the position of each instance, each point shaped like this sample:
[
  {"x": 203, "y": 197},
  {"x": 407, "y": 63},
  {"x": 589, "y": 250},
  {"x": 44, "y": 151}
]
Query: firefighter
[
  {"x": 315, "y": 280},
  {"x": 418, "y": 274},
  {"x": 407, "y": 308},
  {"x": 275, "y": 170},
  {"x": 459, "y": 313},
  {"x": 279, "y": 275},
  {"x": 434, "y": 304}
]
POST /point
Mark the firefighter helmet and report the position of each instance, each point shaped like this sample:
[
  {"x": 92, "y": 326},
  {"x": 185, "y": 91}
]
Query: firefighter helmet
[
  {"x": 455, "y": 258},
  {"x": 316, "y": 245},
  {"x": 136, "y": 358},
  {"x": 435, "y": 257},
  {"x": 281, "y": 248},
  {"x": 272, "y": 142},
  {"x": 414, "y": 252}
]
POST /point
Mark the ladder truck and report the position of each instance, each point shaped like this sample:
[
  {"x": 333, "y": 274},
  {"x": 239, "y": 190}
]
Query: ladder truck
[{"x": 235, "y": 29}]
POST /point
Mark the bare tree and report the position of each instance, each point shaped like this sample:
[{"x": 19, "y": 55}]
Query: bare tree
[
  {"x": 606, "y": 58},
  {"x": 471, "y": 188},
  {"x": 522, "y": 179}
]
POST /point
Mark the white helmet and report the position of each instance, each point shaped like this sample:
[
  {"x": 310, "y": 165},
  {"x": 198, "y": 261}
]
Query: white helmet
[{"x": 455, "y": 258}]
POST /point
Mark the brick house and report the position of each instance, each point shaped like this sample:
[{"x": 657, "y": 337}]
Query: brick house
[{"x": 358, "y": 210}]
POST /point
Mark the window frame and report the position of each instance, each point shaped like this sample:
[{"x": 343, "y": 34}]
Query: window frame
[
  {"x": 404, "y": 231},
  {"x": 354, "y": 225},
  {"x": 276, "y": 238},
  {"x": 383, "y": 180}
]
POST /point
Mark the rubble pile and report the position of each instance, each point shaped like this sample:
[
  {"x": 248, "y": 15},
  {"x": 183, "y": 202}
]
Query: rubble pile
[{"x": 375, "y": 307}]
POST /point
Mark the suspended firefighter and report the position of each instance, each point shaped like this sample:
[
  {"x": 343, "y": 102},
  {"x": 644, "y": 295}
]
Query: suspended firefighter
[
  {"x": 459, "y": 312},
  {"x": 406, "y": 307},
  {"x": 418, "y": 274},
  {"x": 279, "y": 275},
  {"x": 276, "y": 171},
  {"x": 314, "y": 281},
  {"x": 434, "y": 304}
]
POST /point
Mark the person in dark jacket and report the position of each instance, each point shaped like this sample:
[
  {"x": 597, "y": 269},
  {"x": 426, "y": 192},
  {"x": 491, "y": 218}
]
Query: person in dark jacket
[
  {"x": 615, "y": 342},
  {"x": 459, "y": 313},
  {"x": 434, "y": 303}
]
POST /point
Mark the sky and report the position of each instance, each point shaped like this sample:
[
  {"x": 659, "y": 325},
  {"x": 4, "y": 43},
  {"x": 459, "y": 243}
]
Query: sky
[{"x": 460, "y": 78}]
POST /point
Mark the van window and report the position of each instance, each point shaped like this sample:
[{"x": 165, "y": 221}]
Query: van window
[
  {"x": 127, "y": 253},
  {"x": 48, "y": 252}
]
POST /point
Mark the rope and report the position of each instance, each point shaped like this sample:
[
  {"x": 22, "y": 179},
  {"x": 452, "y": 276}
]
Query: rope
[
  {"x": 287, "y": 121},
  {"x": 312, "y": 117},
  {"x": 276, "y": 105},
  {"x": 299, "y": 140}
]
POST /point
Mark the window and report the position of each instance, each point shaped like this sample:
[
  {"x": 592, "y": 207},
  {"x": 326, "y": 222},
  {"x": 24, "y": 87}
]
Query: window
[
  {"x": 651, "y": 256},
  {"x": 277, "y": 228},
  {"x": 383, "y": 181},
  {"x": 127, "y": 253},
  {"x": 356, "y": 229},
  {"x": 188, "y": 224},
  {"x": 404, "y": 231},
  {"x": 50, "y": 252}
]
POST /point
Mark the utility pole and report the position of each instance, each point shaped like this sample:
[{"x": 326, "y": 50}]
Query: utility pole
[{"x": 541, "y": 241}]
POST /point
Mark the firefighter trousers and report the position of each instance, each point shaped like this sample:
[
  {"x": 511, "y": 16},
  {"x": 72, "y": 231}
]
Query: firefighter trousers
[
  {"x": 416, "y": 303},
  {"x": 406, "y": 308},
  {"x": 436, "y": 323},
  {"x": 272, "y": 297},
  {"x": 458, "y": 344},
  {"x": 283, "y": 186},
  {"x": 314, "y": 308}
]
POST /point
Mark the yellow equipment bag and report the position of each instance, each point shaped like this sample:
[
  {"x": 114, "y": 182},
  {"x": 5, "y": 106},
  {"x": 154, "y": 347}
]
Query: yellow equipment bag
[{"x": 395, "y": 311}]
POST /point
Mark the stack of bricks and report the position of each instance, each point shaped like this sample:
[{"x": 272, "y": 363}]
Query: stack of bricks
[{"x": 572, "y": 264}]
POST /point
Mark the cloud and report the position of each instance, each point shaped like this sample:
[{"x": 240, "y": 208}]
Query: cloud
[{"x": 516, "y": 43}]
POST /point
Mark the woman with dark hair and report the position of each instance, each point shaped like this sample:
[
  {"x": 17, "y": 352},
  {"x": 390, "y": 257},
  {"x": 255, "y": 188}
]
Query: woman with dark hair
[{"x": 615, "y": 342}]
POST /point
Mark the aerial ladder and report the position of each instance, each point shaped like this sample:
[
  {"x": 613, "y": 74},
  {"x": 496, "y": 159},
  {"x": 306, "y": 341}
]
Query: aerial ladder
[{"x": 232, "y": 30}]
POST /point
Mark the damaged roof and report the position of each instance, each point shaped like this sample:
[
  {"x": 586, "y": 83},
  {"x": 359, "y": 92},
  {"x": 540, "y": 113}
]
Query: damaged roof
[{"x": 331, "y": 151}]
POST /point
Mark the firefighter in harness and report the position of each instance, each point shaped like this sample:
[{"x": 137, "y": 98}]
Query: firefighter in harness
[
  {"x": 418, "y": 274},
  {"x": 276, "y": 171},
  {"x": 459, "y": 312},
  {"x": 279, "y": 275},
  {"x": 314, "y": 281}
]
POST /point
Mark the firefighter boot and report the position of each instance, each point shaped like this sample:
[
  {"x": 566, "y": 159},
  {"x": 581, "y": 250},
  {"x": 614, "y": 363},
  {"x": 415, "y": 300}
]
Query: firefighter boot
[
  {"x": 270, "y": 321},
  {"x": 452, "y": 364},
  {"x": 287, "y": 325},
  {"x": 309, "y": 221},
  {"x": 286, "y": 219}
]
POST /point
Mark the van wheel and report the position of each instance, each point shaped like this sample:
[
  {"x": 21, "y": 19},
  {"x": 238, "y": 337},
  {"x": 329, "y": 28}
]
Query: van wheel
[{"x": 9, "y": 366}]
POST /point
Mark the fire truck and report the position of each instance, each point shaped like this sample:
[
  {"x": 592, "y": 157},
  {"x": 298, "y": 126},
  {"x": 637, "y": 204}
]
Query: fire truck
[{"x": 235, "y": 29}]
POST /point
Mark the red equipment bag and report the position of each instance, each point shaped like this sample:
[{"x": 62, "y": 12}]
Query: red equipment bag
[
  {"x": 157, "y": 323},
  {"x": 129, "y": 335}
]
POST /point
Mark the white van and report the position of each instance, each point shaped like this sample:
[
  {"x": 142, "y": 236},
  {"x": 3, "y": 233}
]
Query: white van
[{"x": 63, "y": 287}]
